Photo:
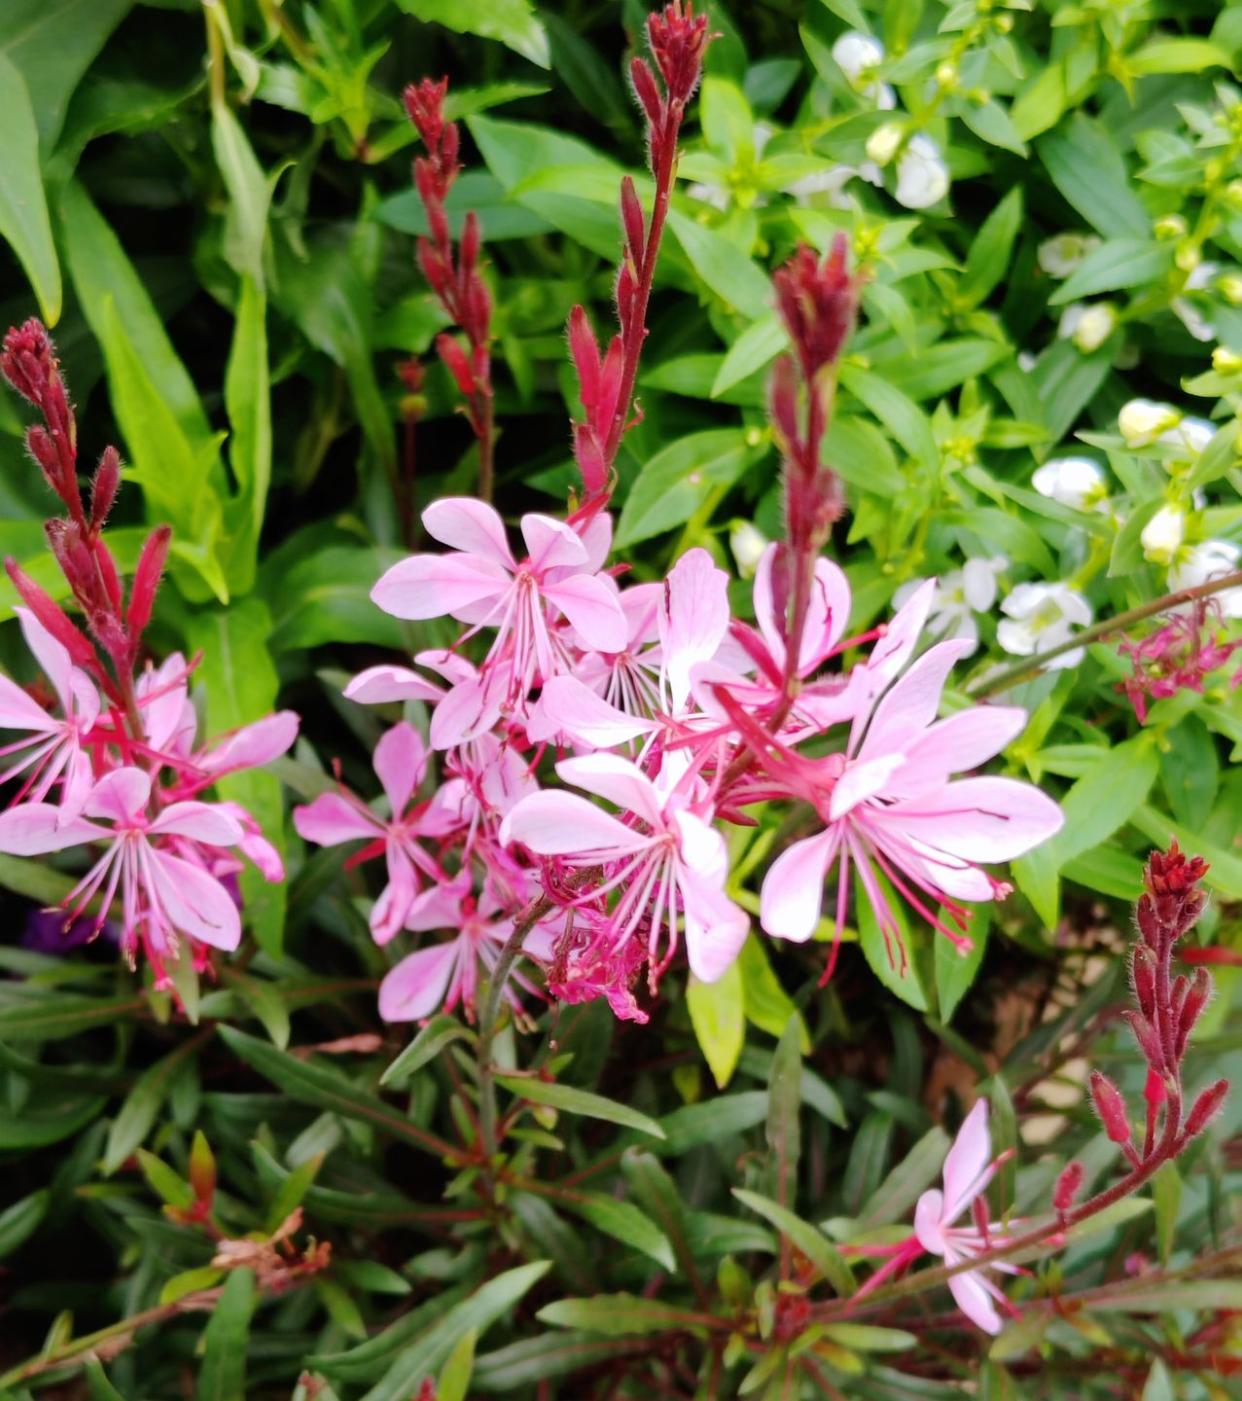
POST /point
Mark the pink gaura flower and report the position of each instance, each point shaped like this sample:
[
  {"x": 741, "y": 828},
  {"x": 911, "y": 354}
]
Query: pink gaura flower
[
  {"x": 889, "y": 801},
  {"x": 54, "y": 748},
  {"x": 447, "y": 974},
  {"x": 480, "y": 582},
  {"x": 333, "y": 818},
  {"x": 665, "y": 858},
  {"x": 162, "y": 894},
  {"x": 968, "y": 1169}
]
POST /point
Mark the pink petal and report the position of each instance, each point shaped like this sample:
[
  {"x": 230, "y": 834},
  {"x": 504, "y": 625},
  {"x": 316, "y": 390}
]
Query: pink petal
[
  {"x": 770, "y": 625},
  {"x": 378, "y": 684},
  {"x": 85, "y": 700},
  {"x": 471, "y": 526},
  {"x": 400, "y": 762},
  {"x": 701, "y": 847},
  {"x": 196, "y": 903},
  {"x": 416, "y": 986},
  {"x": 980, "y": 819},
  {"x": 619, "y": 781},
  {"x": 567, "y": 707},
  {"x": 202, "y": 822},
  {"x": 596, "y": 537},
  {"x": 428, "y": 586},
  {"x": 446, "y": 663},
  {"x": 331, "y": 819},
  {"x": 167, "y": 715},
  {"x": 18, "y": 711},
  {"x": 929, "y": 1221},
  {"x": 827, "y": 615},
  {"x": 469, "y": 710},
  {"x": 592, "y": 607},
  {"x": 551, "y": 544},
  {"x": 641, "y": 605},
  {"x": 439, "y": 907},
  {"x": 120, "y": 796},
  {"x": 52, "y": 656},
  {"x": 32, "y": 829},
  {"x": 694, "y": 619},
  {"x": 862, "y": 779},
  {"x": 972, "y": 1297},
  {"x": 911, "y": 705},
  {"x": 965, "y": 1167},
  {"x": 793, "y": 889},
  {"x": 562, "y": 824},
  {"x": 78, "y": 781},
  {"x": 389, "y": 912},
  {"x": 252, "y": 745},
  {"x": 716, "y": 928},
  {"x": 957, "y": 744}
]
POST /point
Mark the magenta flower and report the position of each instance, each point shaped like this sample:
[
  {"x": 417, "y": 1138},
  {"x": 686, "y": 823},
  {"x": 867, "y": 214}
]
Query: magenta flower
[
  {"x": 333, "y": 818},
  {"x": 447, "y": 974},
  {"x": 53, "y": 750},
  {"x": 482, "y": 584},
  {"x": 889, "y": 803},
  {"x": 968, "y": 1169},
  {"x": 162, "y": 894},
  {"x": 666, "y": 859}
]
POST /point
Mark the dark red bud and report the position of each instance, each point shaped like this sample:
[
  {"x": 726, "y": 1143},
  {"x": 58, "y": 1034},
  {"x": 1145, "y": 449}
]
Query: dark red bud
[
  {"x": 678, "y": 39},
  {"x": 1069, "y": 1184},
  {"x": 52, "y": 616},
  {"x": 1155, "y": 1091},
  {"x": 1206, "y": 1107},
  {"x": 471, "y": 240},
  {"x": 590, "y": 458},
  {"x": 455, "y": 362},
  {"x": 1148, "y": 1039},
  {"x": 1143, "y": 976},
  {"x": 818, "y": 303},
  {"x": 104, "y": 487},
  {"x": 1110, "y": 1106},
  {"x": 783, "y": 402},
  {"x": 646, "y": 91},
  {"x": 424, "y": 104},
  {"x": 28, "y": 360},
  {"x": 1198, "y": 995},
  {"x": 147, "y": 580},
  {"x": 632, "y": 220},
  {"x": 627, "y": 286},
  {"x": 584, "y": 351},
  {"x": 435, "y": 270}
]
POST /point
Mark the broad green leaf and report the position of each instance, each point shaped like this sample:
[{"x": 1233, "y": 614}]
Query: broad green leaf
[
  {"x": 896, "y": 411},
  {"x": 247, "y": 397},
  {"x": 169, "y": 1186},
  {"x": 624, "y": 1222},
  {"x": 101, "y": 1389},
  {"x": 439, "y": 1032},
  {"x": 249, "y": 194},
  {"x": 142, "y": 1105},
  {"x": 955, "y": 972},
  {"x": 890, "y": 953},
  {"x": 486, "y": 1306},
  {"x": 866, "y": 1337},
  {"x": 21, "y": 1220},
  {"x": 499, "y": 218},
  {"x": 1088, "y": 169},
  {"x": 1182, "y": 55},
  {"x": 190, "y": 1282},
  {"x": 715, "y": 1119},
  {"x": 1117, "y": 263},
  {"x": 681, "y": 478},
  {"x": 918, "y": 1170},
  {"x": 810, "y": 1240},
  {"x": 575, "y": 1101},
  {"x": 240, "y": 685},
  {"x": 32, "y": 1013},
  {"x": 24, "y": 223},
  {"x": 457, "y": 1371},
  {"x": 51, "y": 1118},
  {"x": 513, "y": 22},
  {"x": 1040, "y": 104},
  {"x": 718, "y": 1017},
  {"x": 929, "y": 376},
  {"x": 222, "y": 1376},
  {"x": 991, "y": 250},
  {"x": 545, "y": 1356},
  {"x": 733, "y": 276},
  {"x": 758, "y": 345},
  {"x": 994, "y": 124},
  {"x": 861, "y": 454},
  {"x": 764, "y": 1000},
  {"x": 784, "y": 1136},
  {"x": 1105, "y": 797},
  {"x": 659, "y": 1196}
]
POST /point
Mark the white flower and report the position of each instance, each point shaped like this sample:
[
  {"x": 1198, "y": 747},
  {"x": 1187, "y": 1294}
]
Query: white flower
[
  {"x": 958, "y": 596},
  {"x": 1191, "y": 433},
  {"x": 1142, "y": 421},
  {"x": 715, "y": 195},
  {"x": 748, "y": 543},
  {"x": 884, "y": 142},
  {"x": 922, "y": 176},
  {"x": 1163, "y": 534},
  {"x": 1077, "y": 482},
  {"x": 857, "y": 56},
  {"x": 1188, "y": 313},
  {"x": 1088, "y": 324},
  {"x": 831, "y": 181},
  {"x": 1040, "y": 616},
  {"x": 1211, "y": 559},
  {"x": 1027, "y": 360},
  {"x": 1060, "y": 256}
]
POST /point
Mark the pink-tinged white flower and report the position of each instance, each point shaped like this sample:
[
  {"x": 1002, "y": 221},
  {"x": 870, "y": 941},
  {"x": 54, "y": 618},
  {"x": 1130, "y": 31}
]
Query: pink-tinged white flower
[
  {"x": 162, "y": 894},
  {"x": 53, "y": 750},
  {"x": 968, "y": 1169},
  {"x": 890, "y": 801},
  {"x": 481, "y": 583},
  {"x": 333, "y": 818},
  {"x": 1077, "y": 482},
  {"x": 960, "y": 595},
  {"x": 1041, "y": 616},
  {"x": 446, "y": 975},
  {"x": 667, "y": 862}
]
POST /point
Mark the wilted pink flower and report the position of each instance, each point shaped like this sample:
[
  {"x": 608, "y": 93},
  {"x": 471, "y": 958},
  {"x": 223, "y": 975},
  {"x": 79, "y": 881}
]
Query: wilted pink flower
[
  {"x": 162, "y": 894},
  {"x": 54, "y": 749},
  {"x": 665, "y": 858},
  {"x": 447, "y": 974},
  {"x": 1178, "y": 656},
  {"x": 968, "y": 1169},
  {"x": 888, "y": 801},
  {"x": 333, "y": 818}
]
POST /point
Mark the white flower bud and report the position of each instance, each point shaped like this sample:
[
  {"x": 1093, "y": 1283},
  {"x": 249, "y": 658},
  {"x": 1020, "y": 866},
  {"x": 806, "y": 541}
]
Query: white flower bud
[
  {"x": 1060, "y": 256},
  {"x": 922, "y": 176},
  {"x": 1088, "y": 324},
  {"x": 1163, "y": 534},
  {"x": 748, "y": 543},
  {"x": 1142, "y": 421},
  {"x": 883, "y": 142},
  {"x": 1192, "y": 434},
  {"x": 1077, "y": 482},
  {"x": 856, "y": 55}
]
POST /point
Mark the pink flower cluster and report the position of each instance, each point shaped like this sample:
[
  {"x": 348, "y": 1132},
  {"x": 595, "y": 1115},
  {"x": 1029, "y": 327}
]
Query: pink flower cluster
[{"x": 107, "y": 755}]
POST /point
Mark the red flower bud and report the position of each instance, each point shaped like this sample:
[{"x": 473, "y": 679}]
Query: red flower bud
[
  {"x": 1143, "y": 977},
  {"x": 1197, "y": 998},
  {"x": 147, "y": 580},
  {"x": 28, "y": 360},
  {"x": 454, "y": 358},
  {"x": 646, "y": 91},
  {"x": 818, "y": 304},
  {"x": 584, "y": 351},
  {"x": 1110, "y": 1106},
  {"x": 627, "y": 285},
  {"x": 106, "y": 566},
  {"x": 783, "y": 403},
  {"x": 424, "y": 104},
  {"x": 104, "y": 487},
  {"x": 1148, "y": 1040},
  {"x": 471, "y": 241},
  {"x": 52, "y": 616},
  {"x": 678, "y": 39},
  {"x": 589, "y": 456},
  {"x": 632, "y": 220},
  {"x": 439, "y": 276},
  {"x": 1206, "y": 1107},
  {"x": 1069, "y": 1184},
  {"x": 1155, "y": 1091}
]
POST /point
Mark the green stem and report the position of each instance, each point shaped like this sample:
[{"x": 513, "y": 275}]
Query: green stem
[{"x": 1119, "y": 622}]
